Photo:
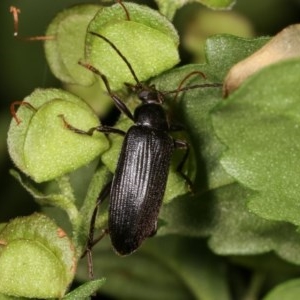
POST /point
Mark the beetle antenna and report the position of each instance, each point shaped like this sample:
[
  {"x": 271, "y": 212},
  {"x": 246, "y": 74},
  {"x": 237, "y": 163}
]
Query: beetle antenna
[
  {"x": 19, "y": 103},
  {"x": 119, "y": 53},
  {"x": 125, "y": 9},
  {"x": 15, "y": 12},
  {"x": 190, "y": 75},
  {"x": 179, "y": 88},
  {"x": 196, "y": 86},
  {"x": 182, "y": 89}
]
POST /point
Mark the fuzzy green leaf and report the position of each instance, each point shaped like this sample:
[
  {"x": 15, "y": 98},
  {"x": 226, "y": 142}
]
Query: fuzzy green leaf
[
  {"x": 36, "y": 258},
  {"x": 60, "y": 199},
  {"x": 168, "y": 8},
  {"x": 186, "y": 215},
  {"x": 5, "y": 297},
  {"x": 184, "y": 264},
  {"x": 85, "y": 290},
  {"x": 147, "y": 30},
  {"x": 223, "y": 215},
  {"x": 259, "y": 125},
  {"x": 67, "y": 47},
  {"x": 41, "y": 145},
  {"x": 288, "y": 290},
  {"x": 219, "y": 209},
  {"x": 240, "y": 232}
]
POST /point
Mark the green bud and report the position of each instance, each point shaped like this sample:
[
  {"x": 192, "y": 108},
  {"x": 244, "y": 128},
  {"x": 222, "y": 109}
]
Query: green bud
[
  {"x": 148, "y": 41},
  {"x": 37, "y": 259},
  {"x": 66, "y": 48},
  {"x": 42, "y": 147}
]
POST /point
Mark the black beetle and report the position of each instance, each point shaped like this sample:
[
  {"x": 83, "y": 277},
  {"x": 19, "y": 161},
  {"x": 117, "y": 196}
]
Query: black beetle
[
  {"x": 140, "y": 178},
  {"x": 138, "y": 186}
]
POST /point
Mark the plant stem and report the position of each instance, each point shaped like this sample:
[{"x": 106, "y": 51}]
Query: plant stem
[{"x": 254, "y": 289}]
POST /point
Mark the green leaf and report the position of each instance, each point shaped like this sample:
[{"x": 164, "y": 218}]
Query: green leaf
[
  {"x": 5, "y": 297},
  {"x": 223, "y": 215},
  {"x": 36, "y": 258},
  {"x": 218, "y": 3},
  {"x": 288, "y": 290},
  {"x": 85, "y": 290},
  {"x": 259, "y": 126},
  {"x": 206, "y": 23},
  {"x": 219, "y": 209},
  {"x": 240, "y": 232},
  {"x": 81, "y": 228},
  {"x": 67, "y": 47},
  {"x": 283, "y": 46},
  {"x": 189, "y": 215},
  {"x": 60, "y": 199},
  {"x": 164, "y": 268},
  {"x": 223, "y": 51},
  {"x": 168, "y": 8},
  {"x": 41, "y": 145},
  {"x": 148, "y": 31},
  {"x": 222, "y": 211},
  {"x": 192, "y": 110}
]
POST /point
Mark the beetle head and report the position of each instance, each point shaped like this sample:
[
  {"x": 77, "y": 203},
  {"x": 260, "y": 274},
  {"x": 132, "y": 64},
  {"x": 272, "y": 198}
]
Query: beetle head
[{"x": 147, "y": 94}]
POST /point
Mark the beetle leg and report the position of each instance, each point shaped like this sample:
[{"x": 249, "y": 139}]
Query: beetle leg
[
  {"x": 100, "y": 128},
  {"x": 103, "y": 194},
  {"x": 183, "y": 145},
  {"x": 118, "y": 102},
  {"x": 91, "y": 242}
]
